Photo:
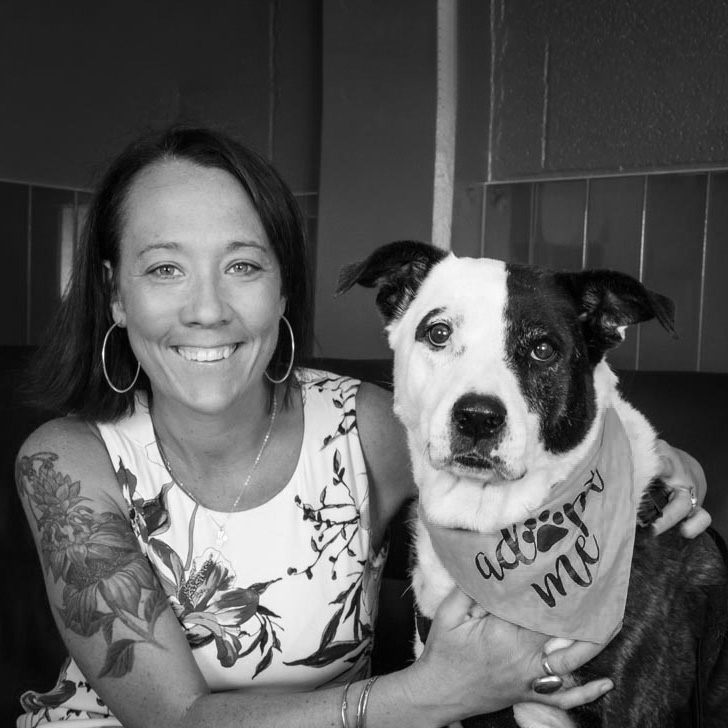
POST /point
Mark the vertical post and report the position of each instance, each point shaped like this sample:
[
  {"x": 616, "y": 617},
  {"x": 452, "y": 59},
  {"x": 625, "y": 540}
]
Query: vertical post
[
  {"x": 585, "y": 225},
  {"x": 445, "y": 123}
]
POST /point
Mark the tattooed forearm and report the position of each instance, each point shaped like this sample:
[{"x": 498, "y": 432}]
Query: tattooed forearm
[{"x": 107, "y": 585}]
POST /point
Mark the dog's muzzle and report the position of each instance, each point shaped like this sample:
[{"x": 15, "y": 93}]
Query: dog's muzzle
[{"x": 478, "y": 422}]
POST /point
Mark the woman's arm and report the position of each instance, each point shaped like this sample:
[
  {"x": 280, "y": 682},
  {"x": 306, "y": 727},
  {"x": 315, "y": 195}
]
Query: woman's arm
[{"x": 107, "y": 603}]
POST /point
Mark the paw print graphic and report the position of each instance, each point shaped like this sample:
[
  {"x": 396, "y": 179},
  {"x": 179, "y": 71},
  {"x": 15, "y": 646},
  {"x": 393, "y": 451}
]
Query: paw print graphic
[{"x": 542, "y": 533}]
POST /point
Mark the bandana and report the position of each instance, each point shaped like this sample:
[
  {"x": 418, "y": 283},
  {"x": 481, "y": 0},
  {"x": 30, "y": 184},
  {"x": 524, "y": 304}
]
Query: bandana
[{"x": 565, "y": 570}]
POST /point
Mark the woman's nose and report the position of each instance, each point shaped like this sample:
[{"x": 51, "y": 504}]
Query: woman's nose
[{"x": 206, "y": 304}]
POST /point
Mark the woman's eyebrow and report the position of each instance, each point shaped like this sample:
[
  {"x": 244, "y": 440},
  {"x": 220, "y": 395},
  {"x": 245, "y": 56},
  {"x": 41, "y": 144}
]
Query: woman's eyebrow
[
  {"x": 231, "y": 247},
  {"x": 240, "y": 244},
  {"x": 157, "y": 246}
]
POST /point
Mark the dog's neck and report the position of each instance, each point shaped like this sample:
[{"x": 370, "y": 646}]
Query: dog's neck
[{"x": 563, "y": 570}]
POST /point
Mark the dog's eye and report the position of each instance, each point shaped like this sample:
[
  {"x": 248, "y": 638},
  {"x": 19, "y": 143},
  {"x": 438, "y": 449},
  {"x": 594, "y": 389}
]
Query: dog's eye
[
  {"x": 438, "y": 334},
  {"x": 543, "y": 351}
]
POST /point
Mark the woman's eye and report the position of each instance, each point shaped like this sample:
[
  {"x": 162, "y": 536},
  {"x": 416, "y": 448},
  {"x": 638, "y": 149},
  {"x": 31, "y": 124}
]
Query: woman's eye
[
  {"x": 165, "y": 271},
  {"x": 543, "y": 351},
  {"x": 243, "y": 267},
  {"x": 438, "y": 334}
]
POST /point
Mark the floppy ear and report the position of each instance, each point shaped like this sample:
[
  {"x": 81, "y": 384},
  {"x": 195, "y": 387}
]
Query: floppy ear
[
  {"x": 608, "y": 301},
  {"x": 397, "y": 269}
]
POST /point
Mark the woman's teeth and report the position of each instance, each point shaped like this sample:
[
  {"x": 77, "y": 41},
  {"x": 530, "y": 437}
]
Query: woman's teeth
[{"x": 194, "y": 353}]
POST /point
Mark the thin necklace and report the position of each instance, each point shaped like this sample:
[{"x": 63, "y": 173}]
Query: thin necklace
[{"x": 222, "y": 536}]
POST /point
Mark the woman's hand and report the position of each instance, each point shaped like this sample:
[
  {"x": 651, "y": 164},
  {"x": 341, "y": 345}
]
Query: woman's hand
[
  {"x": 476, "y": 664},
  {"x": 684, "y": 476}
]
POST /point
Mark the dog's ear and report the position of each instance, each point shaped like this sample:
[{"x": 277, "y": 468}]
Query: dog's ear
[
  {"x": 397, "y": 269},
  {"x": 609, "y": 301}
]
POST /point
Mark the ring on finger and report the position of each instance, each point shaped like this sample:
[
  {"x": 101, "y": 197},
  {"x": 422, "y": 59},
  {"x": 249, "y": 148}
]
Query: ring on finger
[
  {"x": 690, "y": 490},
  {"x": 548, "y": 683},
  {"x": 545, "y": 665}
]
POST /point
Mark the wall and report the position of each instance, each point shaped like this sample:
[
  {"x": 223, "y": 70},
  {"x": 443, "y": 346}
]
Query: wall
[
  {"x": 669, "y": 230},
  {"x": 80, "y": 79},
  {"x": 568, "y": 117},
  {"x": 377, "y": 153}
]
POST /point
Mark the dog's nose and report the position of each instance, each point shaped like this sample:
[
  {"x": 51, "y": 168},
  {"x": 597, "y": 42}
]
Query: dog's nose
[{"x": 479, "y": 417}]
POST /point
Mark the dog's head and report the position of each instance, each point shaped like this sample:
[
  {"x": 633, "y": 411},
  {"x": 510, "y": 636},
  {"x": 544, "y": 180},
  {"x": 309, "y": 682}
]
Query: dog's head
[{"x": 495, "y": 363}]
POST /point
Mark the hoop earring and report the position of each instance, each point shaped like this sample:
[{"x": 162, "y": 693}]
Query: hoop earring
[
  {"x": 103, "y": 365},
  {"x": 293, "y": 354}
]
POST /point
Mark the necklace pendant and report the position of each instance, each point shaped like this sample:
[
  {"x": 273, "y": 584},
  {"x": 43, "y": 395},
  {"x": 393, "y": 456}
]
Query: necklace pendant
[{"x": 222, "y": 537}]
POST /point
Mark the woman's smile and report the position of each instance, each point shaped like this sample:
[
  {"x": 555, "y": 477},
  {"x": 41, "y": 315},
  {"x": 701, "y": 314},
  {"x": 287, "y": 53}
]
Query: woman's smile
[{"x": 205, "y": 354}]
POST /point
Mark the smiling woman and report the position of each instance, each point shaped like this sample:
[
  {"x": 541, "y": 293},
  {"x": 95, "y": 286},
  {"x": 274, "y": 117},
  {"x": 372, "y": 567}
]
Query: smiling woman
[{"x": 68, "y": 375}]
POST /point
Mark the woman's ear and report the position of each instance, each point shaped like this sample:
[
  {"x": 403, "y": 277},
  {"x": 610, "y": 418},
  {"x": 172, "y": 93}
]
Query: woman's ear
[{"x": 117, "y": 308}]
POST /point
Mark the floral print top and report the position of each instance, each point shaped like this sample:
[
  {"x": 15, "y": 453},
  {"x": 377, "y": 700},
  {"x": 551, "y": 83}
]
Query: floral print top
[{"x": 287, "y": 601}]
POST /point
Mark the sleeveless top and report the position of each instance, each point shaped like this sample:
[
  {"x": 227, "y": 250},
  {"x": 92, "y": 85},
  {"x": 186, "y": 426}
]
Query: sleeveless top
[{"x": 288, "y": 602}]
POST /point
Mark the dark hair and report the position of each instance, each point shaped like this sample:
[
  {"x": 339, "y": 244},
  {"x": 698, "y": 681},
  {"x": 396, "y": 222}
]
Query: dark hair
[{"x": 66, "y": 375}]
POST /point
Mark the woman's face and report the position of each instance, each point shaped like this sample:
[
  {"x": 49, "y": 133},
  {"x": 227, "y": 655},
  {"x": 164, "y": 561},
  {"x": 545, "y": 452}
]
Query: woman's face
[{"x": 198, "y": 285}]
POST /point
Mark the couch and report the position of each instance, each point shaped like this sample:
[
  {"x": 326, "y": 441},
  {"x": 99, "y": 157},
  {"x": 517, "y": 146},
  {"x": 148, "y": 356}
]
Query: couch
[{"x": 687, "y": 408}]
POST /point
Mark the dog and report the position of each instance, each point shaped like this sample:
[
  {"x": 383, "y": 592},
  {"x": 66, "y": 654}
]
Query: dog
[{"x": 537, "y": 481}]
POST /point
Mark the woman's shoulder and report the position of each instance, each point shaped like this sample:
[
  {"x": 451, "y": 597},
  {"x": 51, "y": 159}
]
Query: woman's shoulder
[
  {"x": 65, "y": 431},
  {"x": 378, "y": 399},
  {"x": 74, "y": 440},
  {"x": 378, "y": 426},
  {"x": 384, "y": 442},
  {"x": 373, "y": 402}
]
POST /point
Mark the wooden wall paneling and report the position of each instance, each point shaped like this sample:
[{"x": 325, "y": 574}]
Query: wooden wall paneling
[
  {"x": 13, "y": 263},
  {"x": 672, "y": 265},
  {"x": 507, "y": 222},
  {"x": 558, "y": 231},
  {"x": 714, "y": 328},
  {"x": 473, "y": 119},
  {"x": 613, "y": 236},
  {"x": 50, "y": 211},
  {"x": 468, "y": 221}
]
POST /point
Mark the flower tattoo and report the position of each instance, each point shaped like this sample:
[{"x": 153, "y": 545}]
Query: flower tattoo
[{"x": 108, "y": 586}]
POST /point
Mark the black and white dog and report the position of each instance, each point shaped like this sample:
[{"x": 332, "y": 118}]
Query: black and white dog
[{"x": 533, "y": 473}]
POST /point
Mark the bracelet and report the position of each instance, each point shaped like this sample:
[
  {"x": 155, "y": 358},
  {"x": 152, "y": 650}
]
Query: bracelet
[
  {"x": 344, "y": 706},
  {"x": 361, "y": 709}
]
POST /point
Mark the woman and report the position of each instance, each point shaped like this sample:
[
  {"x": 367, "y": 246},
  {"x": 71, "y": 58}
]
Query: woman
[{"x": 202, "y": 481}]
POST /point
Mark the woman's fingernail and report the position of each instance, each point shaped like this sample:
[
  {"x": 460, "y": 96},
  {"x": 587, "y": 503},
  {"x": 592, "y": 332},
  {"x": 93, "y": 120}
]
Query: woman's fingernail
[{"x": 605, "y": 686}]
